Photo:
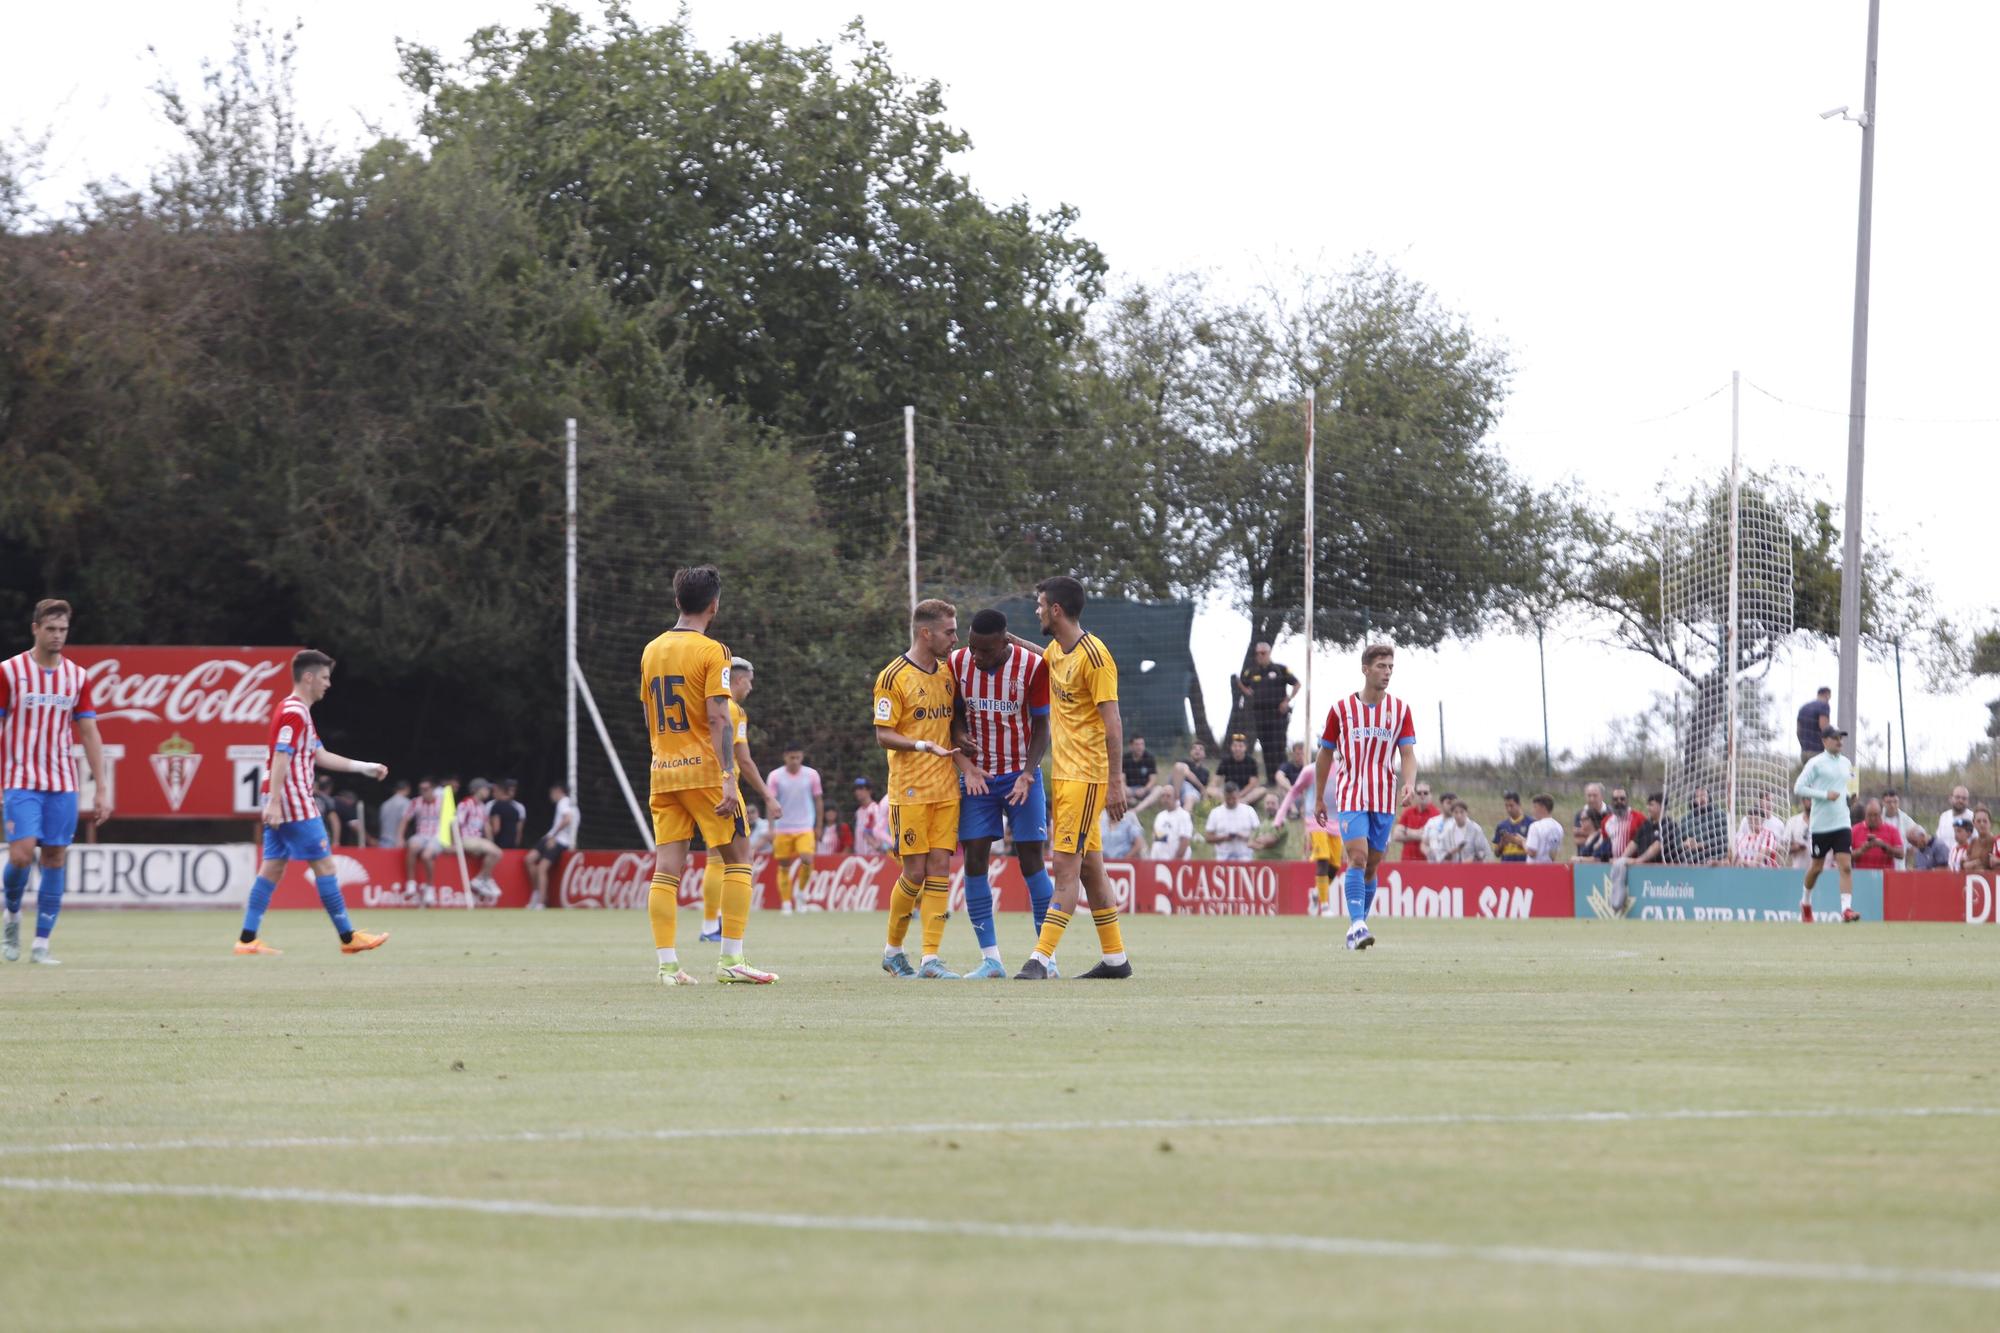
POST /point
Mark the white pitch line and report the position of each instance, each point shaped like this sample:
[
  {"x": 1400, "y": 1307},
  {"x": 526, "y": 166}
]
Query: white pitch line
[
  {"x": 699, "y": 1133},
  {"x": 1694, "y": 1265}
]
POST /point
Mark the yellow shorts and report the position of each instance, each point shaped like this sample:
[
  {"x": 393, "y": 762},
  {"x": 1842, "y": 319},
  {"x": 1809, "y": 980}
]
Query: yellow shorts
[
  {"x": 928, "y": 827},
  {"x": 1073, "y": 808},
  {"x": 677, "y": 814},
  {"x": 785, "y": 846},
  {"x": 1325, "y": 847}
]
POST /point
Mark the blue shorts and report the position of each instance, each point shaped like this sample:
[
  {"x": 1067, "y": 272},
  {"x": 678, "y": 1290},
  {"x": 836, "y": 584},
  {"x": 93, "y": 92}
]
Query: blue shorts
[
  {"x": 300, "y": 840},
  {"x": 1370, "y": 824},
  {"x": 982, "y": 816},
  {"x": 49, "y": 817}
]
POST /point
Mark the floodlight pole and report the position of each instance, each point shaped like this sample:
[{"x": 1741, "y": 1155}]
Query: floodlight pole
[{"x": 1857, "y": 405}]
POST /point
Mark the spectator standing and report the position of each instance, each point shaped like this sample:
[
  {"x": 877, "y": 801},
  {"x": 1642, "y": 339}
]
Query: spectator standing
[
  {"x": 1268, "y": 690},
  {"x": 1238, "y": 767},
  {"x": 1704, "y": 834},
  {"x": 1230, "y": 826},
  {"x": 389, "y": 819},
  {"x": 1814, "y": 718},
  {"x": 1121, "y": 840},
  {"x": 871, "y": 821},
  {"x": 1173, "y": 831},
  {"x": 1510, "y": 835},
  {"x": 1894, "y": 813},
  {"x": 506, "y": 817},
  {"x": 1798, "y": 835},
  {"x": 1410, "y": 824},
  {"x": 835, "y": 838},
  {"x": 1461, "y": 839},
  {"x": 1878, "y": 844},
  {"x": 1589, "y": 817},
  {"x": 347, "y": 810},
  {"x": 1434, "y": 827},
  {"x": 1961, "y": 808},
  {"x": 560, "y": 838},
  {"x": 1622, "y": 822},
  {"x": 1545, "y": 834}
]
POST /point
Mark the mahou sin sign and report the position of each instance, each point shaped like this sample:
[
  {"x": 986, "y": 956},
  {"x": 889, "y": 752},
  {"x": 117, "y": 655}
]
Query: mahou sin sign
[{"x": 185, "y": 729}]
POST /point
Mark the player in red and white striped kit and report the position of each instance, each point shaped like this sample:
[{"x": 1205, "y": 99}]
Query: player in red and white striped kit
[
  {"x": 293, "y": 829},
  {"x": 1371, "y": 740},
  {"x": 1003, "y": 699},
  {"x": 43, "y": 705}
]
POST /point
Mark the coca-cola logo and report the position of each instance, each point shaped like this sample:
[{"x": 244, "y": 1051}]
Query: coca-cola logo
[
  {"x": 220, "y": 690},
  {"x": 623, "y": 881},
  {"x": 856, "y": 884}
]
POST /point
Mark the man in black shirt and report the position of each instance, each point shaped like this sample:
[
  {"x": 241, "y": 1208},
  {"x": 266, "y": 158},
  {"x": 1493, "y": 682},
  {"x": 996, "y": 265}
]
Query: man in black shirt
[
  {"x": 1142, "y": 783},
  {"x": 505, "y": 816},
  {"x": 1267, "y": 690},
  {"x": 1238, "y": 767},
  {"x": 1814, "y": 718}
]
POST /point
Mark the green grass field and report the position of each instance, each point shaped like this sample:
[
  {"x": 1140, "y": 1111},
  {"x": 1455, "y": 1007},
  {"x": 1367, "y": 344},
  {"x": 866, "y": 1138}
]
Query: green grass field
[{"x": 500, "y": 1121}]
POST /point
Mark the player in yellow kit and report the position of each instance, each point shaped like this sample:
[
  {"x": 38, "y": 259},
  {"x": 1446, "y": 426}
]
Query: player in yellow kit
[
  {"x": 1087, "y": 740},
  {"x": 916, "y": 721},
  {"x": 742, "y": 676},
  {"x": 684, "y": 685}
]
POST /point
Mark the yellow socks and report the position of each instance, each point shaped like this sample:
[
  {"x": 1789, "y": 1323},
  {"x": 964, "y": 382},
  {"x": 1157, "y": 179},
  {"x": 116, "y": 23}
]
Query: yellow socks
[
  {"x": 1053, "y": 926},
  {"x": 1322, "y": 882},
  {"x": 901, "y": 903},
  {"x": 794, "y": 879},
  {"x": 1109, "y": 938},
  {"x": 663, "y": 907},
  {"x": 736, "y": 891},
  {"x": 711, "y": 890},
  {"x": 937, "y": 907}
]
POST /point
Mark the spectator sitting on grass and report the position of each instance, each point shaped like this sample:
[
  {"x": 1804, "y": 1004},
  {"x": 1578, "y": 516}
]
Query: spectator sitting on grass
[
  {"x": 1295, "y": 764},
  {"x": 1271, "y": 835},
  {"x": 1545, "y": 835},
  {"x": 1143, "y": 787},
  {"x": 1191, "y": 777},
  {"x": 1238, "y": 767},
  {"x": 1173, "y": 831}
]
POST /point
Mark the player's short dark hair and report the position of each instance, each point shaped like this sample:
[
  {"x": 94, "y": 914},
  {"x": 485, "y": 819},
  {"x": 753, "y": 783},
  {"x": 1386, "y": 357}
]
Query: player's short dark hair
[
  {"x": 1544, "y": 800},
  {"x": 1888, "y": 792},
  {"x": 309, "y": 659},
  {"x": 48, "y": 607},
  {"x": 989, "y": 621},
  {"x": 1510, "y": 796},
  {"x": 1065, "y": 592},
  {"x": 1373, "y": 651},
  {"x": 791, "y": 746},
  {"x": 696, "y": 589},
  {"x": 1659, "y": 796},
  {"x": 931, "y": 612}
]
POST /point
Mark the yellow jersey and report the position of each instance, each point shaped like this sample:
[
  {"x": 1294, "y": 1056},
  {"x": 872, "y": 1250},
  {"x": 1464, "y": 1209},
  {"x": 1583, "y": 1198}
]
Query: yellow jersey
[
  {"x": 739, "y": 724},
  {"x": 681, "y": 671},
  {"x": 1079, "y": 680},
  {"x": 918, "y": 704}
]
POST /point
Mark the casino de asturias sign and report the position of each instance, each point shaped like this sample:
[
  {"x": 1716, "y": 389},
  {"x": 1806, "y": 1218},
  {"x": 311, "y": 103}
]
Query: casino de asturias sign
[{"x": 185, "y": 729}]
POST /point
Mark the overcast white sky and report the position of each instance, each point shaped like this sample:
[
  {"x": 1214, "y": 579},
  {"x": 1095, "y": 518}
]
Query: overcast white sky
[{"x": 1636, "y": 199}]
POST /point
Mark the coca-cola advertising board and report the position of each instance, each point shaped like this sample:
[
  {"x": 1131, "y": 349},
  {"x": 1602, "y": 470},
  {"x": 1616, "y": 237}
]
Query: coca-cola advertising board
[{"x": 185, "y": 729}]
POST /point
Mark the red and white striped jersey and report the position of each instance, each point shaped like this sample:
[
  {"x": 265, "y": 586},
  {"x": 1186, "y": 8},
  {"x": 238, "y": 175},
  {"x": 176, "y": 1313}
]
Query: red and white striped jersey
[
  {"x": 293, "y": 733},
  {"x": 1001, "y": 705},
  {"x": 472, "y": 819},
  {"x": 38, "y": 711},
  {"x": 1366, "y": 740},
  {"x": 426, "y": 816}
]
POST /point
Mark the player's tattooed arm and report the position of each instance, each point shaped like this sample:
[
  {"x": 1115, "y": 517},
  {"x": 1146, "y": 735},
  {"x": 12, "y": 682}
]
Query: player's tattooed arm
[{"x": 722, "y": 735}]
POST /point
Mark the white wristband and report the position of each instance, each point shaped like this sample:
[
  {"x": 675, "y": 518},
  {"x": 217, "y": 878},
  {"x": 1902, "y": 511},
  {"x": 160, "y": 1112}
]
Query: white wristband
[{"x": 925, "y": 747}]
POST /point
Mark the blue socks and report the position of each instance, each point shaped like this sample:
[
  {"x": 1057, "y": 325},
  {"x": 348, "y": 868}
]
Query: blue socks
[
  {"x": 1041, "y": 892},
  {"x": 1359, "y": 894},
  {"x": 979, "y": 906},
  {"x": 15, "y": 880},
  {"x": 335, "y": 905},
  {"x": 260, "y": 903},
  {"x": 48, "y": 899}
]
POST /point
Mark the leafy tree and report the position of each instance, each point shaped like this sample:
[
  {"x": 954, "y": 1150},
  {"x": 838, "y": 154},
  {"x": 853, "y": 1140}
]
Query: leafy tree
[{"x": 792, "y": 204}]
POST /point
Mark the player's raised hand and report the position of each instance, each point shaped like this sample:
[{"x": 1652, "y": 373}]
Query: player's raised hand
[{"x": 731, "y": 805}]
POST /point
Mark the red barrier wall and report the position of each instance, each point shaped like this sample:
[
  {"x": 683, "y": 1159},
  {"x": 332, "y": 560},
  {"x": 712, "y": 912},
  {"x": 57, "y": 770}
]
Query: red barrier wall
[{"x": 1940, "y": 895}]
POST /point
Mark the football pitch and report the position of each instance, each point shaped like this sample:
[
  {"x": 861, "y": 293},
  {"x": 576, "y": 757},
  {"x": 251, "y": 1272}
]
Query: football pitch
[{"x": 501, "y": 1121}]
